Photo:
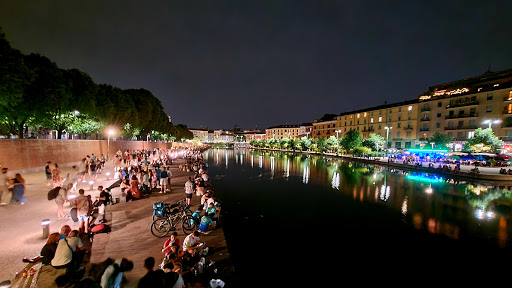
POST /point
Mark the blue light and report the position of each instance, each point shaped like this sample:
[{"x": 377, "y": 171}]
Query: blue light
[{"x": 425, "y": 177}]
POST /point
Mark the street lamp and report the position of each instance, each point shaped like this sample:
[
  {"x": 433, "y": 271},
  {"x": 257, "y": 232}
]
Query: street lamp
[
  {"x": 387, "y": 136},
  {"x": 432, "y": 143},
  {"x": 337, "y": 142},
  {"x": 110, "y": 133},
  {"x": 490, "y": 122}
]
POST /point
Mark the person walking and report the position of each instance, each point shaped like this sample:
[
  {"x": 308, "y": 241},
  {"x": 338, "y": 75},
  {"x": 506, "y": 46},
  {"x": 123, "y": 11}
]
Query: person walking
[
  {"x": 62, "y": 197},
  {"x": 18, "y": 189},
  {"x": 56, "y": 177},
  {"x": 189, "y": 190},
  {"x": 48, "y": 173}
]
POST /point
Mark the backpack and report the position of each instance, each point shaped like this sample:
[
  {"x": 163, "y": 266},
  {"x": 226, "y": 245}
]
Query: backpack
[
  {"x": 53, "y": 193},
  {"x": 100, "y": 228}
]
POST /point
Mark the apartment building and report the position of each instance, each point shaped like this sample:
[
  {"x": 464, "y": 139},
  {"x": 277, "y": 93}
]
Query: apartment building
[
  {"x": 282, "y": 131},
  {"x": 457, "y": 108},
  {"x": 200, "y": 134},
  {"x": 396, "y": 122}
]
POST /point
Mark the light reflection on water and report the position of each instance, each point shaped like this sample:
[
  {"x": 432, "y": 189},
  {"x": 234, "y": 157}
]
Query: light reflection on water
[
  {"x": 308, "y": 201},
  {"x": 434, "y": 203}
]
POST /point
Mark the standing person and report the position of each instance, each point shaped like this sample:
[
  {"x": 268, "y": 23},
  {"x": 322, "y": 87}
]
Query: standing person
[
  {"x": 82, "y": 211},
  {"x": 163, "y": 180},
  {"x": 169, "y": 177},
  {"x": 56, "y": 177},
  {"x": 93, "y": 169},
  {"x": 48, "y": 173},
  {"x": 18, "y": 189},
  {"x": 62, "y": 197},
  {"x": 4, "y": 186},
  {"x": 133, "y": 193},
  {"x": 189, "y": 190}
]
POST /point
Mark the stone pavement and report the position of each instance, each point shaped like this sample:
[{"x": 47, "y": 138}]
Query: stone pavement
[{"x": 130, "y": 236}]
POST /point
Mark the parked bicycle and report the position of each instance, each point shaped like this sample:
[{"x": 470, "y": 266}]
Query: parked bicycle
[{"x": 167, "y": 218}]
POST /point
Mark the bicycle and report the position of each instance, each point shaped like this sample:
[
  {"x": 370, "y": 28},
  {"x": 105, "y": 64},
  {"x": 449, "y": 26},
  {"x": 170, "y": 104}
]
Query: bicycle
[
  {"x": 162, "y": 225},
  {"x": 161, "y": 209}
]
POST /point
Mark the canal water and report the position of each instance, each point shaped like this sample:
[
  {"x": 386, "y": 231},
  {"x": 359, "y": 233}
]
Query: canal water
[{"x": 294, "y": 220}]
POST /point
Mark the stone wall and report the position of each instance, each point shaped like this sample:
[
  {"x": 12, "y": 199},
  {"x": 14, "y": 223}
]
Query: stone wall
[{"x": 30, "y": 155}]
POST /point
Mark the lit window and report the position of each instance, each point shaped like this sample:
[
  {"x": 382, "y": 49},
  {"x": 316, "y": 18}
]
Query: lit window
[
  {"x": 358, "y": 115},
  {"x": 380, "y": 119},
  {"x": 371, "y": 120},
  {"x": 410, "y": 108},
  {"x": 364, "y": 114}
]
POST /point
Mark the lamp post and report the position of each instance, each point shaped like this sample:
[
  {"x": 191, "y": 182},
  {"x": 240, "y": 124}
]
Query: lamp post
[
  {"x": 337, "y": 142},
  {"x": 110, "y": 133},
  {"x": 490, "y": 122},
  {"x": 387, "y": 136}
]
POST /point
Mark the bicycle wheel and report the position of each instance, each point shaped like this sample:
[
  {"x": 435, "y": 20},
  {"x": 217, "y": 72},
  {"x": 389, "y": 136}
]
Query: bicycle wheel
[
  {"x": 160, "y": 227},
  {"x": 188, "y": 224}
]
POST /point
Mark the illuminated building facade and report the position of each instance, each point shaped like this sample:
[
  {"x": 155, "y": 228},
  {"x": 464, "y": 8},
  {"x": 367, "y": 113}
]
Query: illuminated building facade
[
  {"x": 458, "y": 108},
  {"x": 282, "y": 131}
]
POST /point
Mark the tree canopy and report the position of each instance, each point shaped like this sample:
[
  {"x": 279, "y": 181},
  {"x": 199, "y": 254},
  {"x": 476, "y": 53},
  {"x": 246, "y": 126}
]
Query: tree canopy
[{"x": 36, "y": 93}]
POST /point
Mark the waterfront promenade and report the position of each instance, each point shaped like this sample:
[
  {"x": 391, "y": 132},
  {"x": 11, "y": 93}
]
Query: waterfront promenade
[{"x": 130, "y": 236}]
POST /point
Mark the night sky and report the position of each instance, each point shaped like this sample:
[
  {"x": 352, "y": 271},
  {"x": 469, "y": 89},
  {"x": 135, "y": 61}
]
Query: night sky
[{"x": 257, "y": 64}]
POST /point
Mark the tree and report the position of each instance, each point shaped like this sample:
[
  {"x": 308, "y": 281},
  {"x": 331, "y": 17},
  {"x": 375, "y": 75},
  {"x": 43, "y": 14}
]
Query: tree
[
  {"x": 440, "y": 140},
  {"x": 321, "y": 145},
  {"x": 483, "y": 141},
  {"x": 374, "y": 142},
  {"x": 351, "y": 140},
  {"x": 332, "y": 143},
  {"x": 16, "y": 108}
]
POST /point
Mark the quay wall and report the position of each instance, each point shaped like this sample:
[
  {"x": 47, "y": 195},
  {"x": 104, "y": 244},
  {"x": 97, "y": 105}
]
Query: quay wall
[{"x": 31, "y": 155}]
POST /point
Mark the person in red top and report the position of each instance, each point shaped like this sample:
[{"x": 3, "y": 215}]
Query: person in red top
[
  {"x": 133, "y": 193},
  {"x": 167, "y": 249}
]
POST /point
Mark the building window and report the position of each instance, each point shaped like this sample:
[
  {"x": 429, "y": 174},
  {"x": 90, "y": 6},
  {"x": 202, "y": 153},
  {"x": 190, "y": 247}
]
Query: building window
[
  {"x": 380, "y": 119},
  {"x": 438, "y": 125},
  {"x": 471, "y": 134},
  {"x": 399, "y": 109},
  {"x": 408, "y": 135},
  {"x": 489, "y": 96},
  {"x": 488, "y": 108},
  {"x": 358, "y": 115},
  {"x": 371, "y": 120},
  {"x": 410, "y": 108},
  {"x": 439, "y": 104}
]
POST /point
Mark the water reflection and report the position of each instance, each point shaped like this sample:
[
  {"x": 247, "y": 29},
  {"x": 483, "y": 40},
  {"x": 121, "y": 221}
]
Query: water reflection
[{"x": 427, "y": 202}]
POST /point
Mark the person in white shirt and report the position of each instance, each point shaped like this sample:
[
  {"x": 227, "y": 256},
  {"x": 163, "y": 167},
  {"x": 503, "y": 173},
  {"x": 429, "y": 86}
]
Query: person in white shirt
[
  {"x": 189, "y": 189},
  {"x": 191, "y": 244},
  {"x": 70, "y": 252}
]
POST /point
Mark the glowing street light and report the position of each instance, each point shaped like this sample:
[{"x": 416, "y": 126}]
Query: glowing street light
[
  {"x": 110, "y": 133},
  {"x": 337, "y": 142},
  {"x": 490, "y": 122},
  {"x": 387, "y": 136}
]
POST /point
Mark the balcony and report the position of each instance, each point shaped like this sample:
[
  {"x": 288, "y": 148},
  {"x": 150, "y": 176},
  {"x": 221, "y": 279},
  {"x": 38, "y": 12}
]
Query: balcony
[
  {"x": 408, "y": 128},
  {"x": 425, "y": 109},
  {"x": 469, "y": 127},
  {"x": 424, "y": 129},
  {"x": 425, "y": 119},
  {"x": 462, "y": 104},
  {"x": 465, "y": 115}
]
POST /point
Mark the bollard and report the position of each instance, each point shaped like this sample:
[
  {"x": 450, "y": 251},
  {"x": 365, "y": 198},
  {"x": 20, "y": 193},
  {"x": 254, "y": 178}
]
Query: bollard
[{"x": 46, "y": 228}]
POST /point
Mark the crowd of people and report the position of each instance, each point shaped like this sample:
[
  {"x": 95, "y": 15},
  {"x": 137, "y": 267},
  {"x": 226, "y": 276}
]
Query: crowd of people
[{"x": 181, "y": 260}]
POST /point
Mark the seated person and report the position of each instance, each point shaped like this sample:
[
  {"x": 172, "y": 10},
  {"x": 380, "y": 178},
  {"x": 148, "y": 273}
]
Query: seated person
[
  {"x": 64, "y": 231},
  {"x": 191, "y": 244},
  {"x": 207, "y": 223},
  {"x": 48, "y": 251},
  {"x": 198, "y": 213},
  {"x": 70, "y": 252},
  {"x": 212, "y": 209}
]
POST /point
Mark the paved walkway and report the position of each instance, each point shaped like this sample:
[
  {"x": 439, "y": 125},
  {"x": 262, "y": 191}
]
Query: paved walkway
[{"x": 130, "y": 236}]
